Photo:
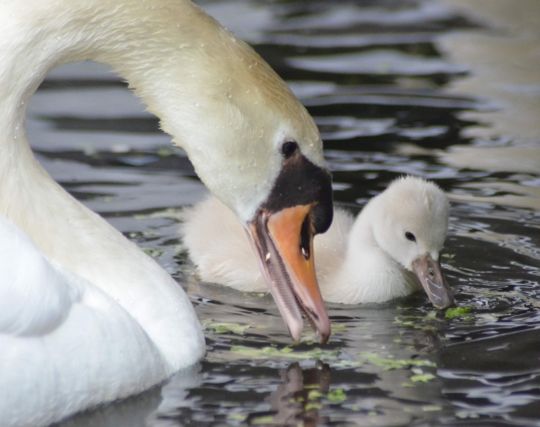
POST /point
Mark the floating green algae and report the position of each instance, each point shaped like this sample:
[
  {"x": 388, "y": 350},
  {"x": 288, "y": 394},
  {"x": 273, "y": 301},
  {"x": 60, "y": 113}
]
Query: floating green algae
[
  {"x": 338, "y": 327},
  {"x": 165, "y": 151},
  {"x": 312, "y": 406},
  {"x": 422, "y": 378},
  {"x": 457, "y": 312},
  {"x": 389, "y": 364},
  {"x": 336, "y": 395},
  {"x": 329, "y": 356},
  {"x": 235, "y": 416},
  {"x": 284, "y": 352},
  {"x": 314, "y": 397},
  {"x": 153, "y": 252},
  {"x": 422, "y": 323},
  {"x": 259, "y": 421},
  {"x": 314, "y": 394},
  {"x": 226, "y": 327}
]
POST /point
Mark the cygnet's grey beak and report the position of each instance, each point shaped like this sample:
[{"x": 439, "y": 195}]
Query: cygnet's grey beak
[{"x": 429, "y": 273}]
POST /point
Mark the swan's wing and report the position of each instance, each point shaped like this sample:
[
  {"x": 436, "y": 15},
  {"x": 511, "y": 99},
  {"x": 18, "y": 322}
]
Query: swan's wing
[
  {"x": 35, "y": 297},
  {"x": 64, "y": 344},
  {"x": 219, "y": 247}
]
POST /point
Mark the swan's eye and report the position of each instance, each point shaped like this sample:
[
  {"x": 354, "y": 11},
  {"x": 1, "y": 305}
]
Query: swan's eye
[
  {"x": 410, "y": 236},
  {"x": 289, "y": 148}
]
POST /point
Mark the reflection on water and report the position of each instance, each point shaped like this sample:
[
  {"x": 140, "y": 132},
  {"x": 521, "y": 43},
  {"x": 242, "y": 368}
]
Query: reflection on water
[
  {"x": 506, "y": 71},
  {"x": 296, "y": 398},
  {"x": 394, "y": 90}
]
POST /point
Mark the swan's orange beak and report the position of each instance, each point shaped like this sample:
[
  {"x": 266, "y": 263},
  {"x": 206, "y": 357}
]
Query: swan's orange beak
[
  {"x": 298, "y": 206},
  {"x": 284, "y": 243}
]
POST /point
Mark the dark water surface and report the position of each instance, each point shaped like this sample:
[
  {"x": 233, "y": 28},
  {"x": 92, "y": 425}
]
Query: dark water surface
[{"x": 382, "y": 80}]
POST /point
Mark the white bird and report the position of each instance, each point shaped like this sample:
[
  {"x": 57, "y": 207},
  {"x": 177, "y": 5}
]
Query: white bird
[
  {"x": 85, "y": 316},
  {"x": 388, "y": 251}
]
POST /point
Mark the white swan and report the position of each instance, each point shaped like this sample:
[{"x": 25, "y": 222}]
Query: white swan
[
  {"x": 85, "y": 316},
  {"x": 395, "y": 240}
]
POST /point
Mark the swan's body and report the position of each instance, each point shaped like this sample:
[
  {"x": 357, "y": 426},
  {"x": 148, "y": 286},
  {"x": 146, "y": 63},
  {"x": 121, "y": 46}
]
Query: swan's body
[
  {"x": 362, "y": 260},
  {"x": 63, "y": 338},
  {"x": 85, "y": 316}
]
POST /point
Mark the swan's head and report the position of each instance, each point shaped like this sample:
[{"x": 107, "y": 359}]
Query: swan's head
[
  {"x": 258, "y": 150},
  {"x": 410, "y": 223}
]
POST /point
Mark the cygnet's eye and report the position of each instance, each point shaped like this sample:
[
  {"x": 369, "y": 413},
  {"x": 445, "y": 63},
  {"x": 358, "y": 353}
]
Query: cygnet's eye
[
  {"x": 289, "y": 148},
  {"x": 410, "y": 236}
]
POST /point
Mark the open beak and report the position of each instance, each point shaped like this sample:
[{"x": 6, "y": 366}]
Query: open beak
[
  {"x": 429, "y": 273},
  {"x": 284, "y": 243}
]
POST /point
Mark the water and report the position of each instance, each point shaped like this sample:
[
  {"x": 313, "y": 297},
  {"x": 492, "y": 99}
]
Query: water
[{"x": 396, "y": 87}]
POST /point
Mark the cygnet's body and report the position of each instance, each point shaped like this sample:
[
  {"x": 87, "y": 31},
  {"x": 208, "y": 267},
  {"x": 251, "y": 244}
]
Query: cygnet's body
[{"x": 374, "y": 258}]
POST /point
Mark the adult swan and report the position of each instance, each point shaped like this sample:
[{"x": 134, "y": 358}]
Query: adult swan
[{"x": 85, "y": 316}]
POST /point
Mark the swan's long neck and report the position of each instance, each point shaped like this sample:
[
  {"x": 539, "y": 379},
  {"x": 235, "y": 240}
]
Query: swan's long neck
[
  {"x": 137, "y": 42},
  {"x": 188, "y": 70},
  {"x": 157, "y": 47}
]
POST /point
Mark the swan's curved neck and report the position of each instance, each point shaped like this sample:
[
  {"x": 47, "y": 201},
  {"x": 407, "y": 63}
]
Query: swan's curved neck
[
  {"x": 158, "y": 48},
  {"x": 136, "y": 41},
  {"x": 188, "y": 70}
]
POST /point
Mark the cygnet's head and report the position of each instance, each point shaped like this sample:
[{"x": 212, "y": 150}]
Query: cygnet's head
[{"x": 410, "y": 224}]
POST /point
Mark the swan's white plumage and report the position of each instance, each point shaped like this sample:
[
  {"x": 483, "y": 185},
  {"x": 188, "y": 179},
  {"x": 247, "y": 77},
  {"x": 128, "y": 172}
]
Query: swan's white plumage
[
  {"x": 40, "y": 296},
  {"x": 60, "y": 337},
  {"x": 85, "y": 316},
  {"x": 360, "y": 260}
]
